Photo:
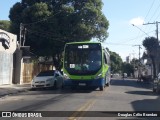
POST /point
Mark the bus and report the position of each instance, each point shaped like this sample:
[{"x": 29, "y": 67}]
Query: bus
[{"x": 86, "y": 63}]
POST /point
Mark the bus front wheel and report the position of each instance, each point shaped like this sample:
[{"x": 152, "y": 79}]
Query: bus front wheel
[{"x": 101, "y": 88}]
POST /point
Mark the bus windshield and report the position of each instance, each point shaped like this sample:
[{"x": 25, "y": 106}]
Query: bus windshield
[{"x": 83, "y": 59}]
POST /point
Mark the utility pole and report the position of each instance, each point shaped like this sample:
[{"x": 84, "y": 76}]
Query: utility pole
[
  {"x": 22, "y": 34},
  {"x": 156, "y": 27},
  {"x": 139, "y": 71},
  {"x": 139, "y": 46}
]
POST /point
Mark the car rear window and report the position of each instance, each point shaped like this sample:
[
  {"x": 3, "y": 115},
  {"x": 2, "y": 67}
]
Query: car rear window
[{"x": 46, "y": 73}]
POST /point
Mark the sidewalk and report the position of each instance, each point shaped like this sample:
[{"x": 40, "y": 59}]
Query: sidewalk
[{"x": 13, "y": 89}]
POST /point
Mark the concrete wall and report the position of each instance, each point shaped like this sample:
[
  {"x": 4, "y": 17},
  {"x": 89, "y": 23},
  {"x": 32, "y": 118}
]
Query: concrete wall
[
  {"x": 8, "y": 46},
  {"x": 12, "y": 44}
]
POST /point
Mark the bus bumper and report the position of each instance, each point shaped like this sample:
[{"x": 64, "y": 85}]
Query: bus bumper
[{"x": 93, "y": 82}]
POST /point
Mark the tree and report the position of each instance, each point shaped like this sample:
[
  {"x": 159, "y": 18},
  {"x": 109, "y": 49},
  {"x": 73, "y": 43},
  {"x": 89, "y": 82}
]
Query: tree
[
  {"x": 52, "y": 23},
  {"x": 135, "y": 63},
  {"x": 127, "y": 68},
  {"x": 151, "y": 44},
  {"x": 116, "y": 62},
  {"x": 5, "y": 25}
]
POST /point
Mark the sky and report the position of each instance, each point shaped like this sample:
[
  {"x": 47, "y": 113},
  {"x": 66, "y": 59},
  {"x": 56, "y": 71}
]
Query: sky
[{"x": 122, "y": 15}]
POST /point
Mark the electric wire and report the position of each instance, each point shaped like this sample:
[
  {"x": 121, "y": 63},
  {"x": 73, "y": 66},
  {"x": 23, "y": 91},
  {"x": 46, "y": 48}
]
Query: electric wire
[
  {"x": 44, "y": 34},
  {"x": 156, "y": 10},
  {"x": 135, "y": 38},
  {"x": 149, "y": 10},
  {"x": 148, "y": 14},
  {"x": 49, "y": 17},
  {"x": 25, "y": 24}
]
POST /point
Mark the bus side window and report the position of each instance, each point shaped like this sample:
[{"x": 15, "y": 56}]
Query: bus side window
[{"x": 105, "y": 59}]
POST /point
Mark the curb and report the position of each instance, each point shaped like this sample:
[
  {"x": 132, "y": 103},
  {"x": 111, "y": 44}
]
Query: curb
[{"x": 11, "y": 91}]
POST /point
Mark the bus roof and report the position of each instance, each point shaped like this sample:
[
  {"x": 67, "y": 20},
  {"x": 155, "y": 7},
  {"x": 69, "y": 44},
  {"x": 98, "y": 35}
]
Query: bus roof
[
  {"x": 88, "y": 42},
  {"x": 83, "y": 42}
]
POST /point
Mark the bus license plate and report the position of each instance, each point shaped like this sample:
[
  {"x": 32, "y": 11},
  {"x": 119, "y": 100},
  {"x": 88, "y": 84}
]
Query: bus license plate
[{"x": 82, "y": 84}]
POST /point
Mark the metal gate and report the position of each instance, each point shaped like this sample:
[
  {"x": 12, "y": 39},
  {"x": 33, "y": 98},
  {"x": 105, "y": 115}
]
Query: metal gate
[{"x": 6, "y": 67}]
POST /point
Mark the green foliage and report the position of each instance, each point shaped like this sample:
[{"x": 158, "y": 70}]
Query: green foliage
[
  {"x": 49, "y": 22},
  {"x": 16, "y": 17},
  {"x": 127, "y": 68},
  {"x": 116, "y": 62},
  {"x": 5, "y": 25},
  {"x": 52, "y": 23},
  {"x": 150, "y": 43}
]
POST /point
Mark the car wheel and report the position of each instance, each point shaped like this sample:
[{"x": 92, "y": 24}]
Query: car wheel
[
  {"x": 62, "y": 87},
  {"x": 55, "y": 85},
  {"x": 101, "y": 88},
  {"x": 108, "y": 84},
  {"x": 154, "y": 90}
]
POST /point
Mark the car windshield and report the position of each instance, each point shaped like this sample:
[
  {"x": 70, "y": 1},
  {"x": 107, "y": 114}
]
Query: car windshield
[{"x": 46, "y": 73}]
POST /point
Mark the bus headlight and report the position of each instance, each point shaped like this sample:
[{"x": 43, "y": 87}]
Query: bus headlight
[
  {"x": 99, "y": 76},
  {"x": 66, "y": 76}
]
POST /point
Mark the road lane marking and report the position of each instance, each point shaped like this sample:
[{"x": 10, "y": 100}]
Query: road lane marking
[
  {"x": 81, "y": 111},
  {"x": 77, "y": 115}
]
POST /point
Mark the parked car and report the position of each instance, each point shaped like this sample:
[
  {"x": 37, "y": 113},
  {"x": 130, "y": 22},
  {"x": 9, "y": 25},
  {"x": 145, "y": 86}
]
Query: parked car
[
  {"x": 156, "y": 84},
  {"x": 47, "y": 79}
]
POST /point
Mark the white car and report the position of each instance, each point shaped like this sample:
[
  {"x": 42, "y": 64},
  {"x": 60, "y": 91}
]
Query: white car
[{"x": 48, "y": 79}]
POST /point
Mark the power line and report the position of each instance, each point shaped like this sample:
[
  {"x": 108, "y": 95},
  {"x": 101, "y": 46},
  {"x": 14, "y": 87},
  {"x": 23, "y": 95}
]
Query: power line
[
  {"x": 46, "y": 35},
  {"x": 109, "y": 43},
  {"x": 155, "y": 12},
  {"x": 148, "y": 14},
  {"x": 157, "y": 16},
  {"x": 149, "y": 10},
  {"x": 156, "y": 27},
  {"x": 41, "y": 20},
  {"x": 125, "y": 41}
]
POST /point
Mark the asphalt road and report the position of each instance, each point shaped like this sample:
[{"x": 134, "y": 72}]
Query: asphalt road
[{"x": 123, "y": 98}]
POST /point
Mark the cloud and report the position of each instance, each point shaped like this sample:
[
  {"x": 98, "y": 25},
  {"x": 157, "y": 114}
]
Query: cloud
[{"x": 137, "y": 21}]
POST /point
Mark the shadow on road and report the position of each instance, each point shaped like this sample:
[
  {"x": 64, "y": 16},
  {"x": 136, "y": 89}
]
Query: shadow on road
[
  {"x": 148, "y": 105},
  {"x": 130, "y": 82},
  {"x": 141, "y": 93},
  {"x": 151, "y": 105},
  {"x": 66, "y": 90}
]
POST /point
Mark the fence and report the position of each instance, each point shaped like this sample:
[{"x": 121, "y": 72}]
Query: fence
[{"x": 29, "y": 70}]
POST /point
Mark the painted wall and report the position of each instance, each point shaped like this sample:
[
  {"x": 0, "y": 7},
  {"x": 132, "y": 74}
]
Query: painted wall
[{"x": 8, "y": 45}]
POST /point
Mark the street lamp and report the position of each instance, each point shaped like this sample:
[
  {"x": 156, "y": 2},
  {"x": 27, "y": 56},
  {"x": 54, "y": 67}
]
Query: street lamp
[{"x": 140, "y": 30}]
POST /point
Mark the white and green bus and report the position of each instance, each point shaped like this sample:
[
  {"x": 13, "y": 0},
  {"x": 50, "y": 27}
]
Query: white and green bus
[{"x": 86, "y": 63}]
